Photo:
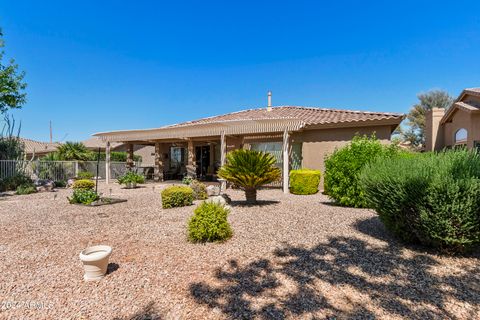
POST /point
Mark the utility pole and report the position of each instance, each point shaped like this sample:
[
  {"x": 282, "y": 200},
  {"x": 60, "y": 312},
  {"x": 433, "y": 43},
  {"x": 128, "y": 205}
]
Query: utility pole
[{"x": 51, "y": 138}]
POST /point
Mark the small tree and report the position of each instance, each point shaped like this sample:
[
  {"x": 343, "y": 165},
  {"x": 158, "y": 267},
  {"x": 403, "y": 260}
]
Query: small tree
[
  {"x": 249, "y": 170},
  {"x": 415, "y": 133},
  {"x": 12, "y": 95}
]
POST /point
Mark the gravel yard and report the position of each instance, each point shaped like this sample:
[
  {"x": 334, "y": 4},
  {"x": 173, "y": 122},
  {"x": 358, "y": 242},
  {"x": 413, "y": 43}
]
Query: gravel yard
[{"x": 296, "y": 257}]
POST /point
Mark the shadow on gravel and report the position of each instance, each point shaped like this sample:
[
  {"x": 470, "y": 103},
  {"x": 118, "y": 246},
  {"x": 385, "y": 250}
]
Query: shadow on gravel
[
  {"x": 386, "y": 280},
  {"x": 260, "y": 203},
  {"x": 112, "y": 267},
  {"x": 149, "y": 312}
]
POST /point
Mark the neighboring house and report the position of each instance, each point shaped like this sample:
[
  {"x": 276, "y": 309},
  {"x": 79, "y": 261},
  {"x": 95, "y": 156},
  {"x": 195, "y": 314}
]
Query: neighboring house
[
  {"x": 458, "y": 126},
  {"x": 297, "y": 136},
  {"x": 37, "y": 149},
  {"x": 146, "y": 152}
]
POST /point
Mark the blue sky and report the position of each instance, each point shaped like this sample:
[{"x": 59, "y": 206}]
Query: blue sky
[{"x": 107, "y": 65}]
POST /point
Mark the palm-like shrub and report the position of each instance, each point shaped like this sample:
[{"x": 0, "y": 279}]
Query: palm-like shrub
[
  {"x": 73, "y": 151},
  {"x": 249, "y": 170}
]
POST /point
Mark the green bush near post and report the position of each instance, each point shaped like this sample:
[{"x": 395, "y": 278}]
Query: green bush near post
[
  {"x": 83, "y": 196},
  {"x": 177, "y": 196},
  {"x": 432, "y": 199},
  {"x": 84, "y": 184},
  {"x": 304, "y": 181},
  {"x": 85, "y": 175},
  {"x": 209, "y": 223}
]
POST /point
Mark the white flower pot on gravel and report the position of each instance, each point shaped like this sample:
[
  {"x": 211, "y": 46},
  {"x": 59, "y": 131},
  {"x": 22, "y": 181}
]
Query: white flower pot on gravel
[{"x": 95, "y": 261}]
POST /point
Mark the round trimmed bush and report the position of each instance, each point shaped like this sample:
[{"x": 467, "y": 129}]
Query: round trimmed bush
[
  {"x": 432, "y": 199},
  {"x": 209, "y": 223},
  {"x": 83, "y": 184},
  {"x": 177, "y": 196},
  {"x": 343, "y": 167},
  {"x": 304, "y": 181}
]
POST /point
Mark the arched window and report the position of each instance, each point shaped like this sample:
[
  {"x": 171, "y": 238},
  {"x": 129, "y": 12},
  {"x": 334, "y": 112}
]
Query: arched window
[{"x": 461, "y": 136}]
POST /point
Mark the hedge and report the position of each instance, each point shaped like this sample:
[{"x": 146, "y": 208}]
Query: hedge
[
  {"x": 432, "y": 199},
  {"x": 304, "y": 181},
  {"x": 177, "y": 196}
]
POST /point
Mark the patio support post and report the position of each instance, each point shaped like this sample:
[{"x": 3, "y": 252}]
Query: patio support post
[
  {"x": 223, "y": 154},
  {"x": 286, "y": 164},
  {"x": 223, "y": 148},
  {"x": 130, "y": 155},
  {"x": 191, "y": 170},
  {"x": 107, "y": 163},
  {"x": 158, "y": 170}
]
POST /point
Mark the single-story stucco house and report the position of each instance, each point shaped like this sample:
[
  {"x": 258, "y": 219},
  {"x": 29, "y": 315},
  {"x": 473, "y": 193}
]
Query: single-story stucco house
[
  {"x": 36, "y": 149},
  {"x": 297, "y": 136},
  {"x": 457, "y": 126}
]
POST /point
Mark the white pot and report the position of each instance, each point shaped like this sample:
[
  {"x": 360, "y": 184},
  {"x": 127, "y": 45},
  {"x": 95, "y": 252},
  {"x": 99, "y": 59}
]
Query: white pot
[{"x": 95, "y": 262}]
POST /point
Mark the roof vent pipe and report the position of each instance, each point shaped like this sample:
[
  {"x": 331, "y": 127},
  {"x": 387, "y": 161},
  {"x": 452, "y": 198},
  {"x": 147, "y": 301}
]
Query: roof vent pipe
[{"x": 269, "y": 104}]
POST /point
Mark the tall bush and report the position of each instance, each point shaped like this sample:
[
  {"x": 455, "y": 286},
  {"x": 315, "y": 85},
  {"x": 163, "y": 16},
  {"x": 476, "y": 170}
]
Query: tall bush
[
  {"x": 343, "y": 167},
  {"x": 432, "y": 199}
]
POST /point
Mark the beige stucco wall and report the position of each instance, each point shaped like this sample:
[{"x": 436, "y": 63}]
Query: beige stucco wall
[
  {"x": 461, "y": 119},
  {"x": 317, "y": 144}
]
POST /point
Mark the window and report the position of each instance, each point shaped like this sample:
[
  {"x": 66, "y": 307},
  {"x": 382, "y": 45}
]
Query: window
[
  {"x": 461, "y": 136},
  {"x": 476, "y": 145},
  {"x": 177, "y": 157}
]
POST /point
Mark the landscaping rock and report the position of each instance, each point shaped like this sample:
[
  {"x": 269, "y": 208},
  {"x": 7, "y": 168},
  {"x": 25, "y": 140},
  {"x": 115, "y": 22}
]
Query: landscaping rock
[
  {"x": 218, "y": 199},
  {"x": 213, "y": 190},
  {"x": 70, "y": 183},
  {"x": 43, "y": 185}
]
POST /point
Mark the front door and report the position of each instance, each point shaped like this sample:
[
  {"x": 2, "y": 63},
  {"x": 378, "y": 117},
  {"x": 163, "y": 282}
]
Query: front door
[{"x": 202, "y": 156}]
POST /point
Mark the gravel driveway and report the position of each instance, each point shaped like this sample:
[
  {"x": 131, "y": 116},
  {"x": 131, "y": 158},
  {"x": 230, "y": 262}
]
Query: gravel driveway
[{"x": 296, "y": 257}]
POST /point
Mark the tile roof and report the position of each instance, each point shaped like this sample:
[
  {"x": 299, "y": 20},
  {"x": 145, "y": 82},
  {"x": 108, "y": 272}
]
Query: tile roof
[
  {"x": 310, "y": 115},
  {"x": 95, "y": 143},
  {"x": 38, "y": 146}
]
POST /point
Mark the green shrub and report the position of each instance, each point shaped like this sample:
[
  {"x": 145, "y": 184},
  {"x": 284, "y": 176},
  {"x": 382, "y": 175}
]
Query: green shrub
[
  {"x": 60, "y": 184},
  {"x": 83, "y": 196},
  {"x": 209, "y": 223},
  {"x": 343, "y": 167},
  {"x": 187, "y": 180},
  {"x": 199, "y": 190},
  {"x": 304, "y": 181},
  {"x": 26, "y": 189},
  {"x": 131, "y": 177},
  {"x": 432, "y": 199},
  {"x": 83, "y": 184},
  {"x": 85, "y": 175},
  {"x": 177, "y": 196},
  {"x": 13, "y": 182}
]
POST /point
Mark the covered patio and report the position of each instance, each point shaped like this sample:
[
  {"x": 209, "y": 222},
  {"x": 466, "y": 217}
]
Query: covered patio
[{"x": 197, "y": 150}]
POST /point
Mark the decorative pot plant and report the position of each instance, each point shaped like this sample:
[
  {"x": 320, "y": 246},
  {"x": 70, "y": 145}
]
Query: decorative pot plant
[
  {"x": 130, "y": 179},
  {"x": 95, "y": 262}
]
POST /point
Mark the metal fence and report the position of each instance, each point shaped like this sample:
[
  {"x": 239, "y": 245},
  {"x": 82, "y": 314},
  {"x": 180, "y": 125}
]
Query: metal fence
[{"x": 59, "y": 170}]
